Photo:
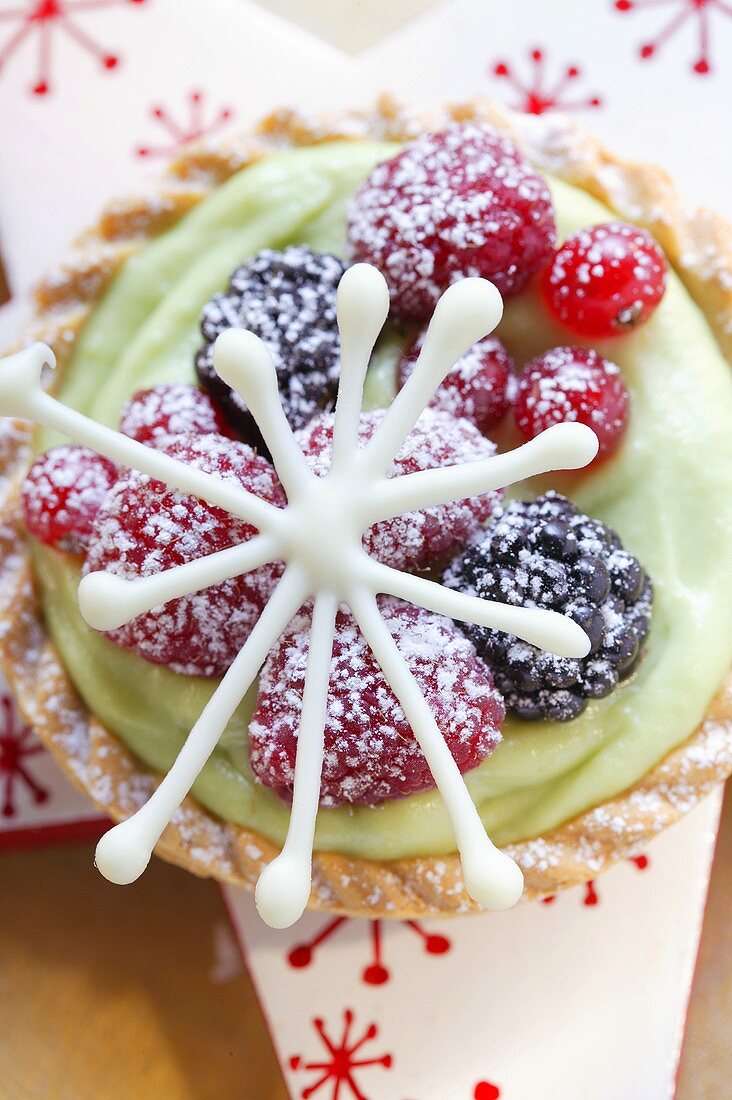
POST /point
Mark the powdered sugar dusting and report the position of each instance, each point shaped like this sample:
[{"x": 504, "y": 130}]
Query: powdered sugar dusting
[
  {"x": 144, "y": 528},
  {"x": 461, "y": 202},
  {"x": 476, "y": 389},
  {"x": 153, "y": 416},
  {"x": 416, "y": 539},
  {"x": 370, "y": 751}
]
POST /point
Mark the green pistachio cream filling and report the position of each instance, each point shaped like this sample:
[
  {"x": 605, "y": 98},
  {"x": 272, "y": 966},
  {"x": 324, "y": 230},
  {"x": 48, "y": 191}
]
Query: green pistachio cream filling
[{"x": 667, "y": 492}]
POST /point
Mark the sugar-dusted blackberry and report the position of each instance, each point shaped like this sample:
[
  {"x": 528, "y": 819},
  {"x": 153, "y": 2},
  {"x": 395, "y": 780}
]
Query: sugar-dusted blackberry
[
  {"x": 288, "y": 299},
  {"x": 546, "y": 553}
]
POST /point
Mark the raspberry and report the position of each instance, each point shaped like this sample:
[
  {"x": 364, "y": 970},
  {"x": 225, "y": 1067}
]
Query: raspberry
[
  {"x": 477, "y": 386},
  {"x": 289, "y": 300},
  {"x": 370, "y": 751},
  {"x": 416, "y": 540},
  {"x": 460, "y": 202},
  {"x": 573, "y": 384},
  {"x": 62, "y": 494},
  {"x": 605, "y": 280},
  {"x": 144, "y": 527},
  {"x": 152, "y": 416},
  {"x": 547, "y": 554}
]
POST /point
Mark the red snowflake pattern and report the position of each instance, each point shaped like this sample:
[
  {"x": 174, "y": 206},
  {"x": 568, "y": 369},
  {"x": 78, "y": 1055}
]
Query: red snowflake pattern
[
  {"x": 41, "y": 19},
  {"x": 696, "y": 11},
  {"x": 375, "y": 972},
  {"x": 591, "y": 896},
  {"x": 17, "y": 744},
  {"x": 536, "y": 93},
  {"x": 193, "y": 126},
  {"x": 342, "y": 1060},
  {"x": 485, "y": 1090}
]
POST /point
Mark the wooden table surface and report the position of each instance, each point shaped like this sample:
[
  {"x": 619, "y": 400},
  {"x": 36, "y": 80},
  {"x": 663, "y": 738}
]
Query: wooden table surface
[{"x": 140, "y": 993}]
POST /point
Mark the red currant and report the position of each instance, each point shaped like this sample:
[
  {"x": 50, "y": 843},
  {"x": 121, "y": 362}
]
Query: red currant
[
  {"x": 605, "y": 280},
  {"x": 62, "y": 494},
  {"x": 573, "y": 384},
  {"x": 477, "y": 386}
]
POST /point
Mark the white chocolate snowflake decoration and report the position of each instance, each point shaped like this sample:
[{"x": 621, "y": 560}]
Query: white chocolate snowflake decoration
[{"x": 318, "y": 537}]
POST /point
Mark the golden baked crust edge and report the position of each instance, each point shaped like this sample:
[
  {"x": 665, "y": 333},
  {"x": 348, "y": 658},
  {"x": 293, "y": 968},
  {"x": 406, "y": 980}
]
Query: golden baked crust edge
[{"x": 699, "y": 246}]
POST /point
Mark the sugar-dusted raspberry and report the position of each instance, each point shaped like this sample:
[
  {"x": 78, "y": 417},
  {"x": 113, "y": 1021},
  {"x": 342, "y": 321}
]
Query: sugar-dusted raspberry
[
  {"x": 152, "y": 416},
  {"x": 476, "y": 388},
  {"x": 460, "y": 202},
  {"x": 62, "y": 494},
  {"x": 416, "y": 540},
  {"x": 605, "y": 280},
  {"x": 370, "y": 751},
  {"x": 573, "y": 384},
  {"x": 289, "y": 300},
  {"x": 145, "y": 527}
]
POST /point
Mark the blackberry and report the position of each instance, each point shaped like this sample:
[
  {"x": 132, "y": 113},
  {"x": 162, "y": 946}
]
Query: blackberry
[
  {"x": 546, "y": 553},
  {"x": 289, "y": 300}
]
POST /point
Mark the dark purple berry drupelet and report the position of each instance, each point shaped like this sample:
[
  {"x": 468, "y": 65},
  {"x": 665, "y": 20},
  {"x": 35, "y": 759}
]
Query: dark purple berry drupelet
[
  {"x": 289, "y": 300},
  {"x": 546, "y": 553}
]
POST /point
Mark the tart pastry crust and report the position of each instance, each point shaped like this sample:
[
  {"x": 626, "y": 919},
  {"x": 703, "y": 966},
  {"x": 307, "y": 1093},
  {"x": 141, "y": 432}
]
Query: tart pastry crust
[{"x": 698, "y": 244}]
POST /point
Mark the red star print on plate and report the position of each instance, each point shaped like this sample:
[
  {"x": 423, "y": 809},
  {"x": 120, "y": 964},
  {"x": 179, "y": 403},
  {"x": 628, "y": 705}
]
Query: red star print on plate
[
  {"x": 42, "y": 19},
  {"x": 375, "y": 973},
  {"x": 342, "y": 1061},
  {"x": 535, "y": 94},
  {"x": 17, "y": 745},
  {"x": 192, "y": 126},
  {"x": 698, "y": 11},
  {"x": 591, "y": 896},
  {"x": 484, "y": 1090}
]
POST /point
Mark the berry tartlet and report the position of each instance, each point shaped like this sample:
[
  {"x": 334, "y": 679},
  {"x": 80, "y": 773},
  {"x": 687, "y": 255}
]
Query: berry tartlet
[{"x": 617, "y": 318}]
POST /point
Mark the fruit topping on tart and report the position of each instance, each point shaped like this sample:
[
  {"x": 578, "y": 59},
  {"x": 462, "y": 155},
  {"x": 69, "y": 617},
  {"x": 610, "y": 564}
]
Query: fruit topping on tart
[
  {"x": 153, "y": 416},
  {"x": 568, "y": 384},
  {"x": 64, "y": 490},
  {"x": 144, "y": 528},
  {"x": 479, "y": 386},
  {"x": 605, "y": 280},
  {"x": 371, "y": 754},
  {"x": 289, "y": 300},
  {"x": 546, "y": 553},
  {"x": 462, "y": 202}
]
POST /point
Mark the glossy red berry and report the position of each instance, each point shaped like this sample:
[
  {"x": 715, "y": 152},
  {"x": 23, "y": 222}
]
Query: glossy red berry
[
  {"x": 477, "y": 386},
  {"x": 426, "y": 537},
  {"x": 370, "y": 751},
  {"x": 62, "y": 494},
  {"x": 152, "y": 416},
  {"x": 460, "y": 202},
  {"x": 573, "y": 384},
  {"x": 605, "y": 280},
  {"x": 144, "y": 527}
]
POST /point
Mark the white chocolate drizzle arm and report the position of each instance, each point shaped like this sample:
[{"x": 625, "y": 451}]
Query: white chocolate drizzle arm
[
  {"x": 548, "y": 630},
  {"x": 284, "y": 886},
  {"x": 22, "y": 395},
  {"x": 124, "y": 852},
  {"x": 363, "y": 306},
  {"x": 245, "y": 363},
  {"x": 491, "y": 877},
  {"x": 107, "y": 601},
  {"x": 318, "y": 537},
  {"x": 466, "y": 312},
  {"x": 566, "y": 446}
]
